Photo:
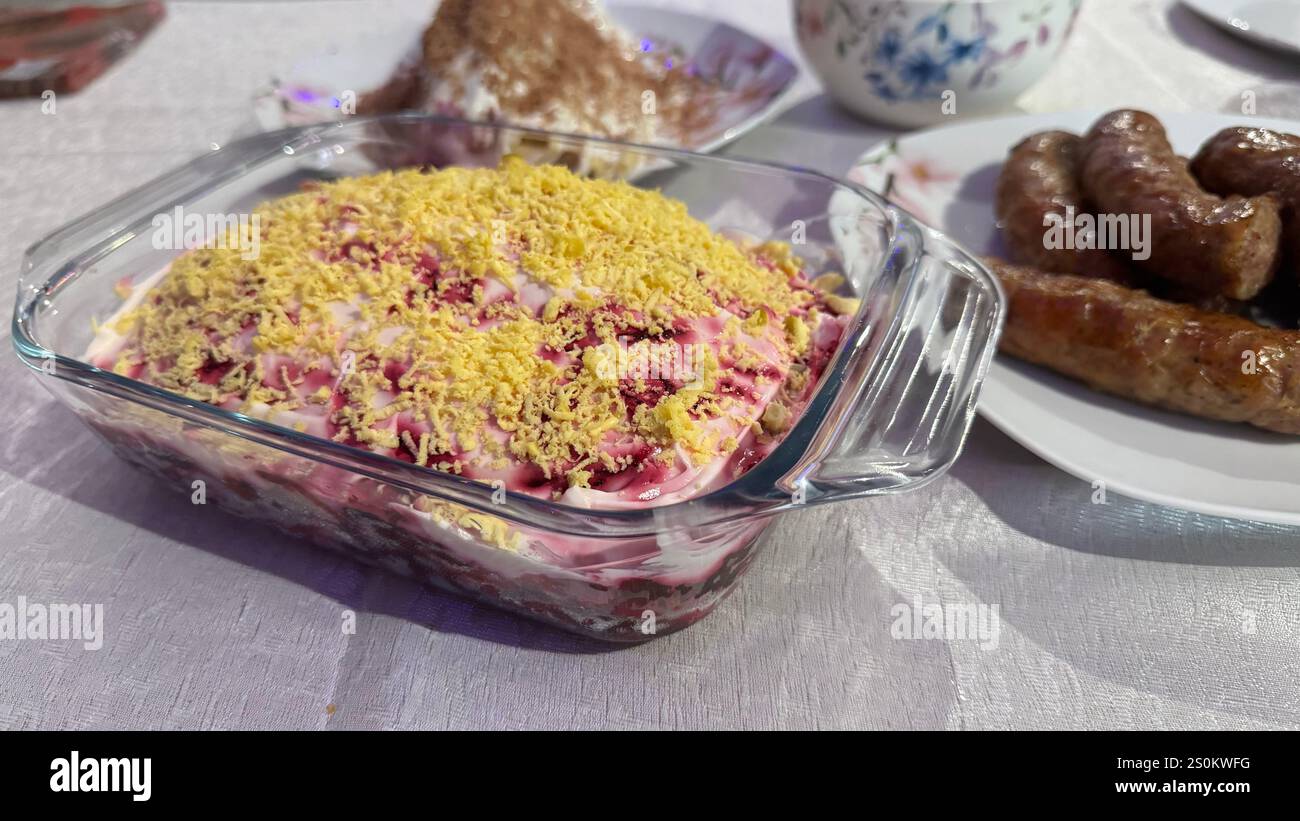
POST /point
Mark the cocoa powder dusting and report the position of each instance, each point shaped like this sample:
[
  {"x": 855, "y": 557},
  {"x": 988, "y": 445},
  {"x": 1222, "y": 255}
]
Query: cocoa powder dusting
[{"x": 544, "y": 57}]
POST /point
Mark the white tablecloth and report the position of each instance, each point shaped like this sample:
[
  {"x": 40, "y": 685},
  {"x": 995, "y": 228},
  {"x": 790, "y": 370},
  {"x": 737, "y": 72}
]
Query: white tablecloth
[{"x": 1127, "y": 615}]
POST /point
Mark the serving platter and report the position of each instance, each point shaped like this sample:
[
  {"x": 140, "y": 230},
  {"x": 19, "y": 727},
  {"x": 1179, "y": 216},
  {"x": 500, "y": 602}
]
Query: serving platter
[{"x": 946, "y": 177}]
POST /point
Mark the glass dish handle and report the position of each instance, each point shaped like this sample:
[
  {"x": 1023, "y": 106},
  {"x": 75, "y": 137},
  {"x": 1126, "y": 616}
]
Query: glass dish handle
[{"x": 907, "y": 424}]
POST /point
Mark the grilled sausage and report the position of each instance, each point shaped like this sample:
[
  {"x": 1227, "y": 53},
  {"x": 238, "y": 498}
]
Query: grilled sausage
[
  {"x": 1226, "y": 247},
  {"x": 1040, "y": 179},
  {"x": 1128, "y": 343},
  {"x": 1253, "y": 161}
]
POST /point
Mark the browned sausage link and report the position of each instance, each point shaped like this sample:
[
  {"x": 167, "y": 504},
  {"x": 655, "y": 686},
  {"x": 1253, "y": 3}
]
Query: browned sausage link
[
  {"x": 1215, "y": 246},
  {"x": 1252, "y": 161},
  {"x": 1039, "y": 179},
  {"x": 1167, "y": 354}
]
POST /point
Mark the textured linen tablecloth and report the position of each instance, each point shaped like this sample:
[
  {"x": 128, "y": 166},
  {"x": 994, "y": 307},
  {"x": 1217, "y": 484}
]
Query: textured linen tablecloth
[{"x": 1127, "y": 615}]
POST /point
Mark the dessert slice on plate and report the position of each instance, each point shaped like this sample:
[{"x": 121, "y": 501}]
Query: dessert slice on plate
[
  {"x": 629, "y": 73},
  {"x": 551, "y": 64}
]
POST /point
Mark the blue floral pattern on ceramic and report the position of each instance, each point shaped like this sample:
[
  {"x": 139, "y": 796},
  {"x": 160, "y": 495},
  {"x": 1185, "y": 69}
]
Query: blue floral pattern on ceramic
[{"x": 910, "y": 59}]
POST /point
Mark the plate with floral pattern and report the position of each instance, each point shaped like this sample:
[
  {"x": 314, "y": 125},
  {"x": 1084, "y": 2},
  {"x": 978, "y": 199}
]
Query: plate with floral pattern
[{"x": 946, "y": 178}]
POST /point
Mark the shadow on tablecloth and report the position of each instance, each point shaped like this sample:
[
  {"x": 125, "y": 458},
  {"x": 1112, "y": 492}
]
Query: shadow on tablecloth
[
  {"x": 101, "y": 481},
  {"x": 1044, "y": 503}
]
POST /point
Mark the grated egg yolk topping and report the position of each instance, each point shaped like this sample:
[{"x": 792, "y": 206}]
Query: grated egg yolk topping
[{"x": 471, "y": 320}]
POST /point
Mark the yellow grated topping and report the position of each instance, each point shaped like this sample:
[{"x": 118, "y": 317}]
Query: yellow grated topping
[{"x": 470, "y": 320}]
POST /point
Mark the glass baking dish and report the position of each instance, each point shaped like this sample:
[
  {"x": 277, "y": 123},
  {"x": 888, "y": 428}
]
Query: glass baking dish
[{"x": 890, "y": 414}]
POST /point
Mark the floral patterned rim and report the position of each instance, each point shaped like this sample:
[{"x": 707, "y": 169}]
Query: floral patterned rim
[{"x": 919, "y": 185}]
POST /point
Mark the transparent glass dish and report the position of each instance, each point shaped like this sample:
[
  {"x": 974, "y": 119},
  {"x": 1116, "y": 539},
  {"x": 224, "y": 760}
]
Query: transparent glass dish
[{"x": 891, "y": 411}]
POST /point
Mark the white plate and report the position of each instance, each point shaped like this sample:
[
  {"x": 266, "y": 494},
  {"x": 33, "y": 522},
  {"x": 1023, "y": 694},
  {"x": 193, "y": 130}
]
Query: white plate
[
  {"x": 1272, "y": 23},
  {"x": 755, "y": 75},
  {"x": 946, "y": 177}
]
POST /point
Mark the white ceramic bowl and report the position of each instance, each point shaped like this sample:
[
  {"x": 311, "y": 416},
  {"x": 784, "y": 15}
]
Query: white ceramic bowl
[{"x": 920, "y": 62}]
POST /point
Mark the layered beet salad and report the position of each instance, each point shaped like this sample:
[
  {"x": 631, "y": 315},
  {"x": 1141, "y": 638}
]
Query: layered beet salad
[{"x": 580, "y": 341}]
